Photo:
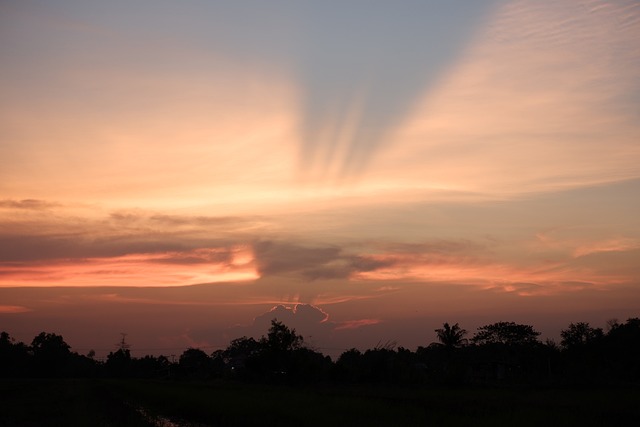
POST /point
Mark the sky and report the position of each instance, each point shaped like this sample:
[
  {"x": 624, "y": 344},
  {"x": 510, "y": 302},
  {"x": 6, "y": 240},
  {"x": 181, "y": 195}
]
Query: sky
[{"x": 364, "y": 171}]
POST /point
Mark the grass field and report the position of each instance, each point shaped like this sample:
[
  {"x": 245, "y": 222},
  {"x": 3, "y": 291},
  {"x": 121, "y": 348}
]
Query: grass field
[
  {"x": 63, "y": 402},
  {"x": 189, "y": 404}
]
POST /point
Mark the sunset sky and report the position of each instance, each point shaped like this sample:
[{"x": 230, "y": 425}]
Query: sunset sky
[{"x": 362, "y": 170}]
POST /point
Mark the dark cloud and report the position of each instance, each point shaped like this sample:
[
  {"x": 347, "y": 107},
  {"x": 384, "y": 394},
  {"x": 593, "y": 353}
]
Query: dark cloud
[
  {"x": 312, "y": 263},
  {"x": 364, "y": 264},
  {"x": 21, "y": 247},
  {"x": 275, "y": 258},
  {"x": 346, "y": 266},
  {"x": 56, "y": 235},
  {"x": 329, "y": 272},
  {"x": 15, "y": 248}
]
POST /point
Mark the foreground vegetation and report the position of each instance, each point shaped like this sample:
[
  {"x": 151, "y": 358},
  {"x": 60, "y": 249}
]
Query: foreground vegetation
[
  {"x": 502, "y": 375},
  {"x": 63, "y": 402},
  {"x": 134, "y": 402}
]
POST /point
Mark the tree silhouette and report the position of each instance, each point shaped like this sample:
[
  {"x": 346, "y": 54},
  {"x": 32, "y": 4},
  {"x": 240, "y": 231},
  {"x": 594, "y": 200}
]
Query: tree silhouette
[
  {"x": 622, "y": 351},
  {"x": 14, "y": 357},
  {"x": 280, "y": 338},
  {"x": 579, "y": 334},
  {"x": 278, "y": 356},
  {"x": 451, "y": 336},
  {"x": 501, "y": 352},
  {"x": 509, "y": 333},
  {"x": 51, "y": 354},
  {"x": 150, "y": 367},
  {"x": 48, "y": 344},
  {"x": 274, "y": 358},
  {"x": 239, "y": 352},
  {"x": 195, "y": 363},
  {"x": 348, "y": 367},
  {"x": 240, "y": 349},
  {"x": 445, "y": 359},
  {"x": 119, "y": 363},
  {"x": 508, "y": 351}
]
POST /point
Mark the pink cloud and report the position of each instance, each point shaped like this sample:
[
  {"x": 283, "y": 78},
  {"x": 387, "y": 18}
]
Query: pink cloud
[{"x": 525, "y": 279}]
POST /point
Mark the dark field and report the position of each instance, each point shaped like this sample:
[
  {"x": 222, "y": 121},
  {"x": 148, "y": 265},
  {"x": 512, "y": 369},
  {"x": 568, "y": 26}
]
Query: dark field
[{"x": 145, "y": 403}]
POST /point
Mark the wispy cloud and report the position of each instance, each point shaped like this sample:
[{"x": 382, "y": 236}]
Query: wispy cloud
[
  {"x": 355, "y": 324},
  {"x": 30, "y": 204},
  {"x": 522, "y": 274},
  {"x": 530, "y": 102},
  {"x": 61, "y": 234},
  {"x": 13, "y": 309},
  {"x": 143, "y": 269},
  {"x": 612, "y": 245},
  {"x": 360, "y": 79}
]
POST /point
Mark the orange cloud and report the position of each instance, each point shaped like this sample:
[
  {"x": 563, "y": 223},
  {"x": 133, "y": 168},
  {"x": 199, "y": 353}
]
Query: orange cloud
[{"x": 205, "y": 265}]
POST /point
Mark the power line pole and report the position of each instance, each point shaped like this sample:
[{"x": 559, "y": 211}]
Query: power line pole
[{"x": 122, "y": 345}]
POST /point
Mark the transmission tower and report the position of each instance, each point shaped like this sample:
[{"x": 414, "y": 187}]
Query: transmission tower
[{"x": 122, "y": 344}]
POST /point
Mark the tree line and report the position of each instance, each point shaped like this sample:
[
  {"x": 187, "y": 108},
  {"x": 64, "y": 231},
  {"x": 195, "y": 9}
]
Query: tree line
[{"x": 499, "y": 353}]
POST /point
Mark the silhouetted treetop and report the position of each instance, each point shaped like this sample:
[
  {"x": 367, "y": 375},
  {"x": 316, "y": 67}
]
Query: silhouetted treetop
[
  {"x": 505, "y": 352},
  {"x": 193, "y": 356},
  {"x": 241, "y": 348},
  {"x": 579, "y": 334},
  {"x": 195, "y": 363},
  {"x": 509, "y": 333},
  {"x": 281, "y": 338},
  {"x": 51, "y": 355},
  {"x": 48, "y": 344},
  {"x": 451, "y": 336}
]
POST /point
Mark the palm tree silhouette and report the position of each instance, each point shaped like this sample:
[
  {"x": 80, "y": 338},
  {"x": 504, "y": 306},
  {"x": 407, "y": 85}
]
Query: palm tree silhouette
[{"x": 451, "y": 336}]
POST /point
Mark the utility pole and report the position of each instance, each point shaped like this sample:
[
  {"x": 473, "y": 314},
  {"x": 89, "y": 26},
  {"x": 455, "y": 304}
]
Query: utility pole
[{"x": 122, "y": 345}]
